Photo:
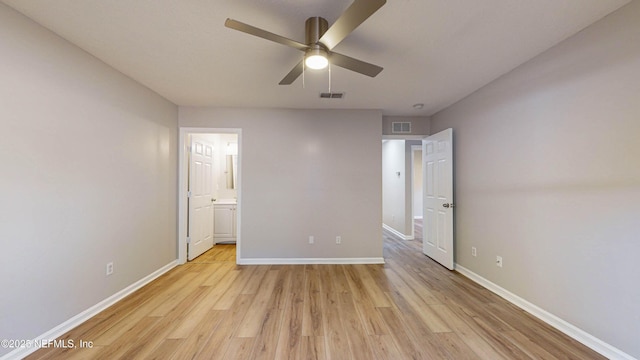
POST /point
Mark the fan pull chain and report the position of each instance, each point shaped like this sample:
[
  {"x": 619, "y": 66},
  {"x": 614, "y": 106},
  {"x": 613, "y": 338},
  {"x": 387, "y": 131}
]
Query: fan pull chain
[
  {"x": 303, "y": 67},
  {"x": 329, "y": 78}
]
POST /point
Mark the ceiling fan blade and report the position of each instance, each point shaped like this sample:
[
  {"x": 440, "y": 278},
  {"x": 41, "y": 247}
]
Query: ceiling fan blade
[
  {"x": 356, "y": 65},
  {"x": 293, "y": 74},
  {"x": 245, "y": 28},
  {"x": 355, "y": 15}
]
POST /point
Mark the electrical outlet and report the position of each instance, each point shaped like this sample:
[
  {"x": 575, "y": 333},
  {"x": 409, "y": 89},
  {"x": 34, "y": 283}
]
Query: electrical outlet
[
  {"x": 499, "y": 261},
  {"x": 109, "y": 268},
  {"x": 473, "y": 251},
  {"x": 338, "y": 240},
  {"x": 311, "y": 239}
]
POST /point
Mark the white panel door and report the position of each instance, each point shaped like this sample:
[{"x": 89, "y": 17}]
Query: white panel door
[
  {"x": 201, "y": 196},
  {"x": 437, "y": 170}
]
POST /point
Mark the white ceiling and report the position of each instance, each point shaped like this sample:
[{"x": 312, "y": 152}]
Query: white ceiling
[{"x": 433, "y": 51}]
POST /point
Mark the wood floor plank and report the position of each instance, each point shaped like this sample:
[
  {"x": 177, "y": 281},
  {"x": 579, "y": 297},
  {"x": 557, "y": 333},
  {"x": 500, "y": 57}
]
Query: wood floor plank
[
  {"x": 313, "y": 348},
  {"x": 551, "y": 339},
  {"x": 185, "y": 325},
  {"x": 377, "y": 274},
  {"x": 289, "y": 341},
  {"x": 122, "y": 323},
  {"x": 239, "y": 348},
  {"x": 422, "y": 309},
  {"x": 170, "y": 303},
  {"x": 371, "y": 287},
  {"x": 217, "y": 344},
  {"x": 266, "y": 343},
  {"x": 373, "y": 323},
  {"x": 336, "y": 343},
  {"x": 312, "y": 315},
  {"x": 456, "y": 347},
  {"x": 462, "y": 328},
  {"x": 194, "y": 342},
  {"x": 166, "y": 349},
  {"x": 281, "y": 288},
  {"x": 399, "y": 334},
  {"x": 384, "y": 347},
  {"x": 298, "y": 274},
  {"x": 253, "y": 320},
  {"x": 326, "y": 279},
  {"x": 313, "y": 278},
  {"x": 253, "y": 283},
  {"x": 415, "y": 284},
  {"x": 417, "y": 330},
  {"x": 354, "y": 328},
  {"x": 232, "y": 293},
  {"x": 160, "y": 330},
  {"x": 218, "y": 271},
  {"x": 129, "y": 338},
  {"x": 530, "y": 348},
  {"x": 339, "y": 278}
]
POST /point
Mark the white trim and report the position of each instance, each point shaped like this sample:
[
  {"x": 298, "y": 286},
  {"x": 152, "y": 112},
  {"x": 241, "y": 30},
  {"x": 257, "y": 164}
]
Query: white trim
[
  {"x": 68, "y": 325},
  {"x": 414, "y": 148},
  {"x": 397, "y": 233},
  {"x": 305, "y": 261},
  {"x": 570, "y": 330},
  {"x": 182, "y": 187}
]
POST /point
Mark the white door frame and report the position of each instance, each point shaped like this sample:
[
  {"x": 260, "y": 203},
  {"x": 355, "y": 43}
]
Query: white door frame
[
  {"x": 183, "y": 169},
  {"x": 414, "y": 148}
]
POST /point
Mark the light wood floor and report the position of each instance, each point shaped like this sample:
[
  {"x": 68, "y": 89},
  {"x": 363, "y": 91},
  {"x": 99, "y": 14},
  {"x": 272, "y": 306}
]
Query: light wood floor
[{"x": 409, "y": 308}]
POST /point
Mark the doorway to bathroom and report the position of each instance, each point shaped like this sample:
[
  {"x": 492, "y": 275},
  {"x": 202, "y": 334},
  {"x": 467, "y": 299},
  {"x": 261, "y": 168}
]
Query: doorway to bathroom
[{"x": 209, "y": 182}]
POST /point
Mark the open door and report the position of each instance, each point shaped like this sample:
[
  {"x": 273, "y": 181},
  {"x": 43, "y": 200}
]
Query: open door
[
  {"x": 200, "y": 228},
  {"x": 437, "y": 169}
]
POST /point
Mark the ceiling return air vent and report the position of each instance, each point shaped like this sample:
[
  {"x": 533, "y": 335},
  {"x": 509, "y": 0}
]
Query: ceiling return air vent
[
  {"x": 401, "y": 127},
  {"x": 332, "y": 95}
]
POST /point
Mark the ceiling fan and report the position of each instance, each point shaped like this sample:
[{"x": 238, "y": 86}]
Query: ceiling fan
[{"x": 320, "y": 39}]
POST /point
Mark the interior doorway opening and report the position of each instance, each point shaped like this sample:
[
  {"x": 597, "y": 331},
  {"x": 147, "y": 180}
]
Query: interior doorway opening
[
  {"x": 210, "y": 200},
  {"x": 402, "y": 184}
]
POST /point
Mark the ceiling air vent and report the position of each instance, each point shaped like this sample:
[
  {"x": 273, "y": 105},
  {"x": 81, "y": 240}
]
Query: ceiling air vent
[
  {"x": 401, "y": 127},
  {"x": 331, "y": 95}
]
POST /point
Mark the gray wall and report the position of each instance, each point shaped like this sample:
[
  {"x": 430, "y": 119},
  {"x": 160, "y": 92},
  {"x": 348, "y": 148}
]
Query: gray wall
[
  {"x": 394, "y": 186},
  {"x": 305, "y": 172},
  {"x": 88, "y": 161},
  {"x": 547, "y": 176},
  {"x": 408, "y": 185}
]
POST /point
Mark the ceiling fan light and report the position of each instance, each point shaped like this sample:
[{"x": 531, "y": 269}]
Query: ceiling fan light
[{"x": 316, "y": 59}]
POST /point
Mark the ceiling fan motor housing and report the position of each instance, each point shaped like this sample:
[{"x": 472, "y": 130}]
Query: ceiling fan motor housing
[{"x": 315, "y": 27}]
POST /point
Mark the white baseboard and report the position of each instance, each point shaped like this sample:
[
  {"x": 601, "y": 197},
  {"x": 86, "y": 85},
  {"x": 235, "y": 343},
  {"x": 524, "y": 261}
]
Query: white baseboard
[
  {"x": 68, "y": 325},
  {"x": 305, "y": 261},
  {"x": 570, "y": 330},
  {"x": 397, "y": 233}
]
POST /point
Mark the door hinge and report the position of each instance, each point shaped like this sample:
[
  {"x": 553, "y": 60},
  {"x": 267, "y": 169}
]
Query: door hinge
[
  {"x": 188, "y": 240},
  {"x": 188, "y": 194}
]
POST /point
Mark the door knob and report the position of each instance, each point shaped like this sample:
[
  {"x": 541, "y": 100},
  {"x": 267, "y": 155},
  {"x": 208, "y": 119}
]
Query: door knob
[{"x": 447, "y": 205}]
